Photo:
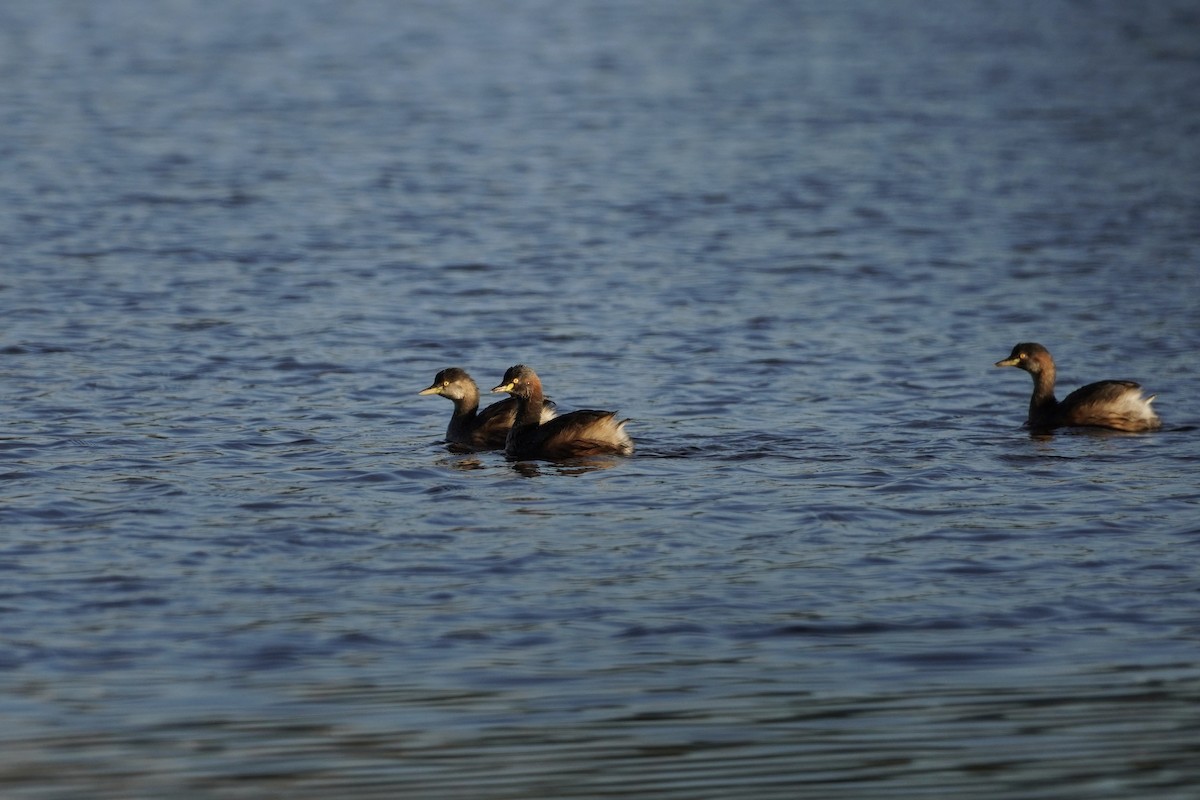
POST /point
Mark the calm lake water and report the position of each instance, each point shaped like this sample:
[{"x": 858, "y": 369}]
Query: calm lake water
[{"x": 787, "y": 239}]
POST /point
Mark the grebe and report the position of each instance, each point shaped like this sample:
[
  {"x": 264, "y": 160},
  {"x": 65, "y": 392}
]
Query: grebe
[
  {"x": 1118, "y": 405},
  {"x": 469, "y": 427},
  {"x": 579, "y": 433}
]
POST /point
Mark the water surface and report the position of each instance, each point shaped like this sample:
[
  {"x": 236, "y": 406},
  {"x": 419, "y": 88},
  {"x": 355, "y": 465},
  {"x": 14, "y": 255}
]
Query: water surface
[{"x": 787, "y": 239}]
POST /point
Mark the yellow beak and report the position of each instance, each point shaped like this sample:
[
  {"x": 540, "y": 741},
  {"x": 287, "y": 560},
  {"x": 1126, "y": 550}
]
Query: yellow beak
[
  {"x": 504, "y": 387},
  {"x": 431, "y": 390},
  {"x": 1008, "y": 362}
]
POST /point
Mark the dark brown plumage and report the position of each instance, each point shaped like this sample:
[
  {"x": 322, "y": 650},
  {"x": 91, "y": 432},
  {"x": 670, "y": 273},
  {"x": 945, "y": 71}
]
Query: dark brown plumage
[
  {"x": 1118, "y": 405},
  {"x": 469, "y": 427},
  {"x": 573, "y": 435}
]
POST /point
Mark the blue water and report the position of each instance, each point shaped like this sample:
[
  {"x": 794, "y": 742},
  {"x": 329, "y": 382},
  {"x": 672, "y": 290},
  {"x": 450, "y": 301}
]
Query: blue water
[{"x": 787, "y": 239}]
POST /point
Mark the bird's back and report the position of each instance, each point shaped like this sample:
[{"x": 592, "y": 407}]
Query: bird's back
[{"x": 1119, "y": 405}]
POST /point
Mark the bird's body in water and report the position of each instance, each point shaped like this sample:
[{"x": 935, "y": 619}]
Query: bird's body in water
[
  {"x": 470, "y": 428},
  {"x": 574, "y": 435},
  {"x": 1117, "y": 405}
]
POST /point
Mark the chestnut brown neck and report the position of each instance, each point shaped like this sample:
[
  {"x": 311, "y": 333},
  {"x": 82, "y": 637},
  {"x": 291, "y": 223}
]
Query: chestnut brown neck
[
  {"x": 1043, "y": 404},
  {"x": 529, "y": 402}
]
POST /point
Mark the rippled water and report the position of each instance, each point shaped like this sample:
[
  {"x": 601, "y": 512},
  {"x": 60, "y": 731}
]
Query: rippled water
[{"x": 787, "y": 239}]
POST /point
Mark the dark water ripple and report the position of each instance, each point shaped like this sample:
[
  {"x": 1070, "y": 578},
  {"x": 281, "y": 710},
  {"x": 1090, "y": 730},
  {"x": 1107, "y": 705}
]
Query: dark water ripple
[{"x": 788, "y": 241}]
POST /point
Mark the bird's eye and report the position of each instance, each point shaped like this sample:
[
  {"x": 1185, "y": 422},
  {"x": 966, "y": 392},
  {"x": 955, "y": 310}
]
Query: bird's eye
[
  {"x": 1022, "y": 356},
  {"x": 447, "y": 383}
]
